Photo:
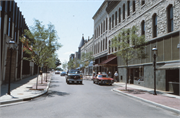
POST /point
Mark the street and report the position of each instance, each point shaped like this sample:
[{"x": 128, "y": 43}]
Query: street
[{"x": 85, "y": 100}]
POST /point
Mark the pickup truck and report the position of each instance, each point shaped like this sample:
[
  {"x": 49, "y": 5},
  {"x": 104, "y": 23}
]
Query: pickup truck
[{"x": 74, "y": 76}]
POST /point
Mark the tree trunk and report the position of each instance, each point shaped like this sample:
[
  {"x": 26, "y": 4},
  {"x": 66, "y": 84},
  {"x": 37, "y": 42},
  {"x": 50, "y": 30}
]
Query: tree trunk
[
  {"x": 126, "y": 75},
  {"x": 37, "y": 79}
]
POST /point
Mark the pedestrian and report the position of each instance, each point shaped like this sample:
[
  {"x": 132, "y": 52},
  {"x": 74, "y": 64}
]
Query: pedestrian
[
  {"x": 109, "y": 74},
  {"x": 116, "y": 76}
]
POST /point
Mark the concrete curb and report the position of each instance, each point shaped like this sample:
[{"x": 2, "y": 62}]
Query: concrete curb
[
  {"x": 147, "y": 101},
  {"x": 26, "y": 98}
]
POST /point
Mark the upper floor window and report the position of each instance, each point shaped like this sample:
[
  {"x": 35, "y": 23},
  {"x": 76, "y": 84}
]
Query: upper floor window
[
  {"x": 109, "y": 23},
  {"x": 143, "y": 28},
  {"x": 134, "y": 5},
  {"x": 112, "y": 20},
  {"x": 154, "y": 25},
  {"x": 116, "y": 18},
  {"x": 9, "y": 28},
  {"x": 128, "y": 8},
  {"x": 106, "y": 23},
  {"x": 142, "y": 2},
  {"x": 106, "y": 42},
  {"x": 123, "y": 11},
  {"x": 109, "y": 46},
  {"x": 101, "y": 28},
  {"x": 104, "y": 26},
  {"x": 170, "y": 18},
  {"x": 119, "y": 15}
]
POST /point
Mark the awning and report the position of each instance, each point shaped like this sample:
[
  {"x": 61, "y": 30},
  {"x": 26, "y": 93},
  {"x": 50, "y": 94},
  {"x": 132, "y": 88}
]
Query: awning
[
  {"x": 91, "y": 63},
  {"x": 111, "y": 61},
  {"x": 169, "y": 66}
]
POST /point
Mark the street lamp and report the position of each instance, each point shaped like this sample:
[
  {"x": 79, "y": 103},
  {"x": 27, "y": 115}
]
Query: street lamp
[
  {"x": 11, "y": 46},
  {"x": 154, "y": 49}
]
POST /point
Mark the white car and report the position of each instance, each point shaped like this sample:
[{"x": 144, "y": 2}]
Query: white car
[{"x": 57, "y": 72}]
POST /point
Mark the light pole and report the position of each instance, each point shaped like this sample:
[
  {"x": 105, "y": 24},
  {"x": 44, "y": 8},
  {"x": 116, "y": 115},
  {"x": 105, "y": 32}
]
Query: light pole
[
  {"x": 154, "y": 49},
  {"x": 11, "y": 46}
]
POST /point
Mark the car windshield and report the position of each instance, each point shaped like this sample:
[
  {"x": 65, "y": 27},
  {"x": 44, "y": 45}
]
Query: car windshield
[
  {"x": 74, "y": 72},
  {"x": 102, "y": 75}
]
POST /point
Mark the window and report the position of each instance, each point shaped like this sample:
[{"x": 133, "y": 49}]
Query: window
[
  {"x": 133, "y": 40},
  {"x": 101, "y": 45},
  {"x": 104, "y": 26},
  {"x": 154, "y": 25},
  {"x": 119, "y": 15},
  {"x": 101, "y": 28},
  {"x": 9, "y": 28},
  {"x": 116, "y": 18},
  {"x": 106, "y": 23},
  {"x": 109, "y": 46},
  {"x": 123, "y": 11},
  {"x": 142, "y": 2},
  {"x": 170, "y": 18},
  {"x": 109, "y": 23},
  {"x": 128, "y": 38},
  {"x": 106, "y": 42},
  {"x": 143, "y": 28},
  {"x": 112, "y": 20},
  {"x": 134, "y": 5},
  {"x": 128, "y": 8},
  {"x": 1, "y": 6}
]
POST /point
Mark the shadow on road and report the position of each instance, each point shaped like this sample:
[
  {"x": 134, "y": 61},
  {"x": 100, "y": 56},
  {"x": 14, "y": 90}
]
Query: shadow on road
[{"x": 58, "y": 93}]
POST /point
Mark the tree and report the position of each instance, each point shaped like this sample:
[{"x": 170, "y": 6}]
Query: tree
[
  {"x": 64, "y": 66},
  {"x": 129, "y": 46},
  {"x": 58, "y": 62},
  {"x": 41, "y": 44},
  {"x": 86, "y": 58}
]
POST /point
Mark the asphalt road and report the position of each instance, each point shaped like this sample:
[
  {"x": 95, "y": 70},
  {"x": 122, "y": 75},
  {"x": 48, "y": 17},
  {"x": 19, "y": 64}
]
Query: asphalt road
[{"x": 83, "y": 101}]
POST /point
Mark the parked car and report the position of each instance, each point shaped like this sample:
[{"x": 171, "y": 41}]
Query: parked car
[
  {"x": 103, "y": 79},
  {"x": 63, "y": 73},
  {"x": 74, "y": 76},
  {"x": 57, "y": 72}
]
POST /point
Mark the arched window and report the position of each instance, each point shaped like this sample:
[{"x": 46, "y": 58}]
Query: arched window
[
  {"x": 123, "y": 11},
  {"x": 143, "y": 28},
  {"x": 154, "y": 25},
  {"x": 170, "y": 18}
]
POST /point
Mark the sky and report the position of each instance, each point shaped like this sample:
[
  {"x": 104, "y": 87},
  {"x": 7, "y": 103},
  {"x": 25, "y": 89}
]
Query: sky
[{"x": 71, "y": 18}]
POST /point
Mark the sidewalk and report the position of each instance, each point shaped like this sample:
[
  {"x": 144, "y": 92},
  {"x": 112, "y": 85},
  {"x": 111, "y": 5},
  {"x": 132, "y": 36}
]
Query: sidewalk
[
  {"x": 24, "y": 89},
  {"x": 163, "y": 99}
]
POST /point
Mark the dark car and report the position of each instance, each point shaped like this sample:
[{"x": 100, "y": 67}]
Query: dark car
[
  {"x": 103, "y": 79},
  {"x": 74, "y": 76},
  {"x": 63, "y": 73}
]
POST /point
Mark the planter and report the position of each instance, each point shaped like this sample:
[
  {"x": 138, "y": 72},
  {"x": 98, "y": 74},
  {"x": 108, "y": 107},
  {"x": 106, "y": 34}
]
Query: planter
[{"x": 175, "y": 87}]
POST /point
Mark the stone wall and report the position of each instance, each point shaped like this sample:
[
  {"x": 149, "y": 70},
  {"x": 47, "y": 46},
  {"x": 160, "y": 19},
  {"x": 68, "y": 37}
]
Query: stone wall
[{"x": 149, "y": 78}]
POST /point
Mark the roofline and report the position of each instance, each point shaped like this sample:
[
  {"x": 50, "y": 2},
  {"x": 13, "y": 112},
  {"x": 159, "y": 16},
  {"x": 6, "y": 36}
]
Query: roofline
[{"x": 99, "y": 8}]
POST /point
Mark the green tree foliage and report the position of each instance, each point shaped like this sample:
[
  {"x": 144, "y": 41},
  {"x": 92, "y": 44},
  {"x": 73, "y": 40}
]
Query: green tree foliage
[
  {"x": 42, "y": 43},
  {"x": 86, "y": 58},
  {"x": 129, "y": 46},
  {"x": 64, "y": 66},
  {"x": 58, "y": 62}
]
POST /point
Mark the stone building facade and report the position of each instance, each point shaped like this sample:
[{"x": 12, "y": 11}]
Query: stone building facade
[
  {"x": 12, "y": 27},
  {"x": 158, "y": 20}
]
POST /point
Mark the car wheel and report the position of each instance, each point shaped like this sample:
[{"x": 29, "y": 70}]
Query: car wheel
[
  {"x": 81, "y": 82},
  {"x": 93, "y": 81}
]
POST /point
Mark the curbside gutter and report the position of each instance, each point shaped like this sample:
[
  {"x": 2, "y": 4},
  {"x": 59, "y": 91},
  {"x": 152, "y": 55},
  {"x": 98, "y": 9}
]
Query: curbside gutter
[
  {"x": 26, "y": 98},
  {"x": 150, "y": 102}
]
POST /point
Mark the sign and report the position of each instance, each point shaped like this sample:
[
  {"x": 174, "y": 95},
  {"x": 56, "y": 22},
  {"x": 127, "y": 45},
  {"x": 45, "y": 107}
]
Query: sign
[{"x": 178, "y": 45}]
